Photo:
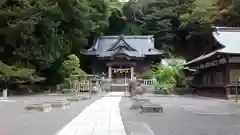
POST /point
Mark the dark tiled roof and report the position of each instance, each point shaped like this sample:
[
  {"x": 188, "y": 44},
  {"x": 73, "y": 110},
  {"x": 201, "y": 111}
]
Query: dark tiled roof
[
  {"x": 133, "y": 46},
  {"x": 121, "y": 51},
  {"x": 121, "y": 43},
  {"x": 229, "y": 37}
]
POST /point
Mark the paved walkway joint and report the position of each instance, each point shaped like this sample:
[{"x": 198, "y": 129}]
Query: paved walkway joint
[{"x": 100, "y": 118}]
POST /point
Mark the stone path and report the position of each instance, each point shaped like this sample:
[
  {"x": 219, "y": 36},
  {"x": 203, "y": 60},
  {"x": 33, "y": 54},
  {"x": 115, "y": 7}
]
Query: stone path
[
  {"x": 101, "y": 118},
  {"x": 183, "y": 116}
]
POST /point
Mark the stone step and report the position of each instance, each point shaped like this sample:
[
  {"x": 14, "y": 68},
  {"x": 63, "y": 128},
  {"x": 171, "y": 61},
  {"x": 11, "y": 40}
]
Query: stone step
[
  {"x": 119, "y": 88},
  {"x": 151, "y": 108},
  {"x": 38, "y": 107}
]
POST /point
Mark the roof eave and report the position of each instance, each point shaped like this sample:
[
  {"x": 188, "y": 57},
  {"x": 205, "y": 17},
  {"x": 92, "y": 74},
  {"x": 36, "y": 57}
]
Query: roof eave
[{"x": 195, "y": 61}]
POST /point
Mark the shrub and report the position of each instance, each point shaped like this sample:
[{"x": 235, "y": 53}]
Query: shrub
[
  {"x": 167, "y": 77},
  {"x": 71, "y": 66}
]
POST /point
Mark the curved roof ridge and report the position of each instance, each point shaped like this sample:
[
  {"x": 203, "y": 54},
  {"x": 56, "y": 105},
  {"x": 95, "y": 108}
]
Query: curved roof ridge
[
  {"x": 227, "y": 29},
  {"x": 127, "y": 36},
  {"x": 229, "y": 37},
  {"x": 117, "y": 44}
]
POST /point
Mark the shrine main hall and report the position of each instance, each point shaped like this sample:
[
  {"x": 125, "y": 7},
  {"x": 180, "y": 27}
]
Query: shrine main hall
[{"x": 122, "y": 56}]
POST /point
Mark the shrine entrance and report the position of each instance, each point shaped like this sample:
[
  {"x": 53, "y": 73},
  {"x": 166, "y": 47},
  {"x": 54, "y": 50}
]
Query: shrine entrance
[{"x": 120, "y": 70}]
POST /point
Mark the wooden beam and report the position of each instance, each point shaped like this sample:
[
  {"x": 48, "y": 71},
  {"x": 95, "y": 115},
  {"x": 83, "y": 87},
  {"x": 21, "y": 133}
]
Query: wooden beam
[{"x": 120, "y": 63}]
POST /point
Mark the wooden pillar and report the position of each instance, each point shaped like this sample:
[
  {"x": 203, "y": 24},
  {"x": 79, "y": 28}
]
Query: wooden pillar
[
  {"x": 227, "y": 77},
  {"x": 109, "y": 72},
  {"x": 132, "y": 72}
]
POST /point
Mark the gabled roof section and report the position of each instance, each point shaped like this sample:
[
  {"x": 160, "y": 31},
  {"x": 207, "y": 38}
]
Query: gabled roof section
[
  {"x": 135, "y": 46},
  {"x": 228, "y": 37},
  {"x": 121, "y": 43},
  {"x": 122, "y": 51},
  {"x": 91, "y": 51}
]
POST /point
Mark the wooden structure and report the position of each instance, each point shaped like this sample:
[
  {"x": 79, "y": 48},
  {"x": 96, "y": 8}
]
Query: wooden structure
[
  {"x": 83, "y": 83},
  {"x": 122, "y": 56},
  {"x": 218, "y": 70}
]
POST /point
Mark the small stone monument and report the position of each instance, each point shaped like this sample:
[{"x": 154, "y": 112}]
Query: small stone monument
[
  {"x": 132, "y": 87},
  {"x": 39, "y": 107},
  {"x": 4, "y": 94},
  {"x": 137, "y": 104},
  {"x": 151, "y": 108},
  {"x": 59, "y": 104}
]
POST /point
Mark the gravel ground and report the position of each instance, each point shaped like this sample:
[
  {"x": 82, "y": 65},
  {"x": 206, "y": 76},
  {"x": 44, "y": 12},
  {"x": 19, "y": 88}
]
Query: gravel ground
[
  {"x": 181, "y": 117},
  {"x": 14, "y": 121}
]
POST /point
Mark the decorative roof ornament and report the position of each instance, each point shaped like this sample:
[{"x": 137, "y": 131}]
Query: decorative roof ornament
[
  {"x": 121, "y": 43},
  {"x": 137, "y": 46}
]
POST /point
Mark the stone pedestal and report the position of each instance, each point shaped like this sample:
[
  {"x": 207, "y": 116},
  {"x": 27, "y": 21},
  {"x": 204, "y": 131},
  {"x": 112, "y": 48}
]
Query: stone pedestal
[
  {"x": 59, "y": 104},
  {"x": 38, "y": 107},
  {"x": 109, "y": 72},
  {"x": 78, "y": 98},
  {"x": 151, "y": 108}
]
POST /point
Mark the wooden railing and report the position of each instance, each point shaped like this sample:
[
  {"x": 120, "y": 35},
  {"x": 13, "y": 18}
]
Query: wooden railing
[
  {"x": 123, "y": 81},
  {"x": 147, "y": 82},
  {"x": 83, "y": 85},
  {"x": 86, "y": 85}
]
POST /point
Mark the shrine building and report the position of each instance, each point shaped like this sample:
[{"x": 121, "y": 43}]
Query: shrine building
[
  {"x": 122, "y": 56},
  {"x": 218, "y": 70}
]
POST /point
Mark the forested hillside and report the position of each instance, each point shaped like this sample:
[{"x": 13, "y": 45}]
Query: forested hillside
[{"x": 43, "y": 38}]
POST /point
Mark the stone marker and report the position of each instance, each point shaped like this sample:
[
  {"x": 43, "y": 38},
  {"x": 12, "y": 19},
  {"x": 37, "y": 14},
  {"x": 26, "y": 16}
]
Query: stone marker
[
  {"x": 77, "y": 98},
  {"x": 39, "y": 107},
  {"x": 83, "y": 97},
  {"x": 138, "y": 104},
  {"x": 139, "y": 90},
  {"x": 4, "y": 93},
  {"x": 59, "y": 104},
  {"x": 151, "y": 108},
  {"x": 73, "y": 99},
  {"x": 140, "y": 99}
]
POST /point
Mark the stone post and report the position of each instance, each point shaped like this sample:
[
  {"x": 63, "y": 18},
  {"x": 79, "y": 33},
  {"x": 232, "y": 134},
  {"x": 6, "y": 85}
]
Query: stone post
[
  {"x": 5, "y": 93},
  {"x": 109, "y": 72},
  {"x": 132, "y": 72}
]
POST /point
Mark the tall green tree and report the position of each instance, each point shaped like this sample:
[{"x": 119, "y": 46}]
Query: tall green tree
[{"x": 40, "y": 34}]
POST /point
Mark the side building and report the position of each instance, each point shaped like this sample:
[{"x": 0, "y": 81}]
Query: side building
[
  {"x": 122, "y": 56},
  {"x": 218, "y": 70}
]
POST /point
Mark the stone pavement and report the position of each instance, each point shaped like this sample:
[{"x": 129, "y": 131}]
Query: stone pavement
[
  {"x": 101, "y": 118},
  {"x": 15, "y": 121},
  {"x": 183, "y": 116}
]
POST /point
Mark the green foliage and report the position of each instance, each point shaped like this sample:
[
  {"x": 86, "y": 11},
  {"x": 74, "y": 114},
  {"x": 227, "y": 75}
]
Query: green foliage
[
  {"x": 40, "y": 34},
  {"x": 167, "y": 77},
  {"x": 78, "y": 72},
  {"x": 179, "y": 27},
  {"x": 71, "y": 66},
  {"x": 20, "y": 74},
  {"x": 37, "y": 36},
  {"x": 131, "y": 29}
]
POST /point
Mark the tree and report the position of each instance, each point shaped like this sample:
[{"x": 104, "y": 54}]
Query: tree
[
  {"x": 71, "y": 66},
  {"x": 41, "y": 34},
  {"x": 167, "y": 77},
  {"x": 177, "y": 25},
  {"x": 14, "y": 75}
]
